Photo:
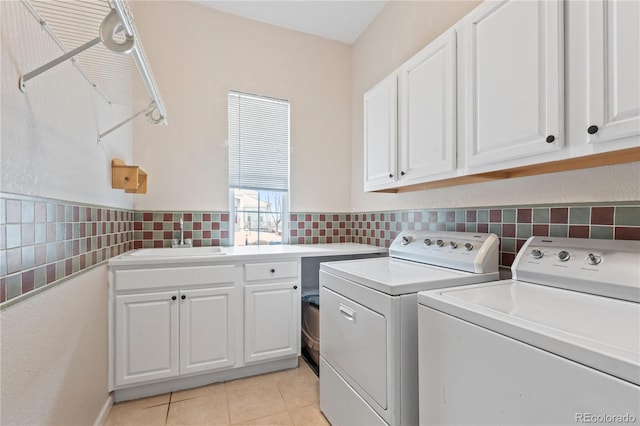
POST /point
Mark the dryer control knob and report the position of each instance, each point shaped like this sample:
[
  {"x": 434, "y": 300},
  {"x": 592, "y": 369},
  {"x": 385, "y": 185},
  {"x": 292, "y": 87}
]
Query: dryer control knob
[
  {"x": 468, "y": 246},
  {"x": 405, "y": 240},
  {"x": 593, "y": 259},
  {"x": 453, "y": 245},
  {"x": 563, "y": 256},
  {"x": 427, "y": 242},
  {"x": 536, "y": 254},
  {"x": 439, "y": 243}
]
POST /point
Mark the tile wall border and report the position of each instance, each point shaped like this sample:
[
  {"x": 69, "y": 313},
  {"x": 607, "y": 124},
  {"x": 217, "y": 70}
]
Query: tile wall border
[
  {"x": 44, "y": 241},
  {"x": 512, "y": 224},
  {"x": 58, "y": 231}
]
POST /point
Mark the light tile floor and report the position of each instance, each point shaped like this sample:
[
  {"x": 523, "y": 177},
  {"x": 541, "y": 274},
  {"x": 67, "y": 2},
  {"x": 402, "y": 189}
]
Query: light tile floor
[{"x": 287, "y": 397}]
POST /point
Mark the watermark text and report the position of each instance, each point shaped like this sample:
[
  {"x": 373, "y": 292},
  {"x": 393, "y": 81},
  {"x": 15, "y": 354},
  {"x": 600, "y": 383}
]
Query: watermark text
[{"x": 605, "y": 418}]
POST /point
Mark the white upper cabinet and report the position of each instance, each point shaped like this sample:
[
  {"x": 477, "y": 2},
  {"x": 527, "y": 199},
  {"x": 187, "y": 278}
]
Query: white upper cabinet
[
  {"x": 513, "y": 76},
  {"x": 427, "y": 112},
  {"x": 380, "y": 134},
  {"x": 513, "y": 85},
  {"x": 613, "y": 70}
]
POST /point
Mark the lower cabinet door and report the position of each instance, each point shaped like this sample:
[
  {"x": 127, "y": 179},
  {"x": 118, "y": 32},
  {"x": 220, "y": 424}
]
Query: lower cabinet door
[
  {"x": 206, "y": 329},
  {"x": 146, "y": 337},
  {"x": 272, "y": 321}
]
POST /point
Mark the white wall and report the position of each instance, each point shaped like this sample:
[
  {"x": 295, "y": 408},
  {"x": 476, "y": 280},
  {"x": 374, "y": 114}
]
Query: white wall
[
  {"x": 54, "y": 354},
  {"x": 48, "y": 138},
  {"x": 382, "y": 48},
  {"x": 198, "y": 54}
]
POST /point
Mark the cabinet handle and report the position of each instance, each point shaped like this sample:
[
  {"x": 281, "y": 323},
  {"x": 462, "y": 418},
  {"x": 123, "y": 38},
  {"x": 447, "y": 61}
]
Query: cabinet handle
[
  {"x": 272, "y": 271},
  {"x": 183, "y": 297},
  {"x": 550, "y": 138},
  {"x": 390, "y": 175},
  {"x": 295, "y": 287},
  {"x": 173, "y": 298},
  {"x": 592, "y": 130},
  {"x": 402, "y": 173}
]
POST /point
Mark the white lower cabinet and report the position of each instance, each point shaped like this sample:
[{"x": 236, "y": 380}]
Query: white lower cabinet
[
  {"x": 168, "y": 322},
  {"x": 207, "y": 319},
  {"x": 271, "y": 321},
  {"x": 166, "y": 334},
  {"x": 146, "y": 337},
  {"x": 271, "y": 310},
  {"x": 179, "y": 327}
]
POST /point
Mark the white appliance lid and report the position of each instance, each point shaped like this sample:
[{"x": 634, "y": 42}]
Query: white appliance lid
[
  {"x": 396, "y": 277},
  {"x": 596, "y": 331}
]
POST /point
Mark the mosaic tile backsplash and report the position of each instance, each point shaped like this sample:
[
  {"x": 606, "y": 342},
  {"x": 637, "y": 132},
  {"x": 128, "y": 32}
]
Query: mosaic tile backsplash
[
  {"x": 43, "y": 241},
  {"x": 157, "y": 229},
  {"x": 321, "y": 228},
  {"x": 512, "y": 224}
]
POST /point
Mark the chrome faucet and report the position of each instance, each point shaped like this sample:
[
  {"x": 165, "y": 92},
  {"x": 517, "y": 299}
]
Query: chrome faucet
[{"x": 175, "y": 243}]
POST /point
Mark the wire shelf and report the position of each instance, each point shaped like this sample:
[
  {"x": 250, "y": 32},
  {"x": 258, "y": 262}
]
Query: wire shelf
[{"x": 116, "y": 76}]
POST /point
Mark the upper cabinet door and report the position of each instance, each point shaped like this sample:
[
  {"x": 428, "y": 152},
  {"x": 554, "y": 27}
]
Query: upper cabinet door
[
  {"x": 380, "y": 130},
  {"x": 513, "y": 54},
  {"x": 428, "y": 111},
  {"x": 614, "y": 70}
]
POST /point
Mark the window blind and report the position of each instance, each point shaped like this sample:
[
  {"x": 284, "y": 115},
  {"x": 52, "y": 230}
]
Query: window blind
[{"x": 258, "y": 142}]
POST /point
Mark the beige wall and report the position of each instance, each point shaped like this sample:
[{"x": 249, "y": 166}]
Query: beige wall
[
  {"x": 54, "y": 354},
  {"x": 198, "y": 54},
  {"x": 400, "y": 30}
]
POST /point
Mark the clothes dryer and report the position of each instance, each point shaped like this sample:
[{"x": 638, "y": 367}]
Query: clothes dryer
[{"x": 369, "y": 322}]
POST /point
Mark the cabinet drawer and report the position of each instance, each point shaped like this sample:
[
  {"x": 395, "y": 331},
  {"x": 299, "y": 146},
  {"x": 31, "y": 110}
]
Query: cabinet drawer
[
  {"x": 141, "y": 279},
  {"x": 271, "y": 270}
]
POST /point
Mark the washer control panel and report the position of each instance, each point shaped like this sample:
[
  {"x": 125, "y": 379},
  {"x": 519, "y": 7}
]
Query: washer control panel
[
  {"x": 606, "y": 267},
  {"x": 466, "y": 251},
  {"x": 565, "y": 255}
]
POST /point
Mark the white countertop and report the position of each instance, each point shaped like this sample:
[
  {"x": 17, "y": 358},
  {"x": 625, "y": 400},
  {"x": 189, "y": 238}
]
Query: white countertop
[{"x": 247, "y": 253}]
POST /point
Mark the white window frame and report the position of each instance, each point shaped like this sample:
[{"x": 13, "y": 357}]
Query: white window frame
[{"x": 284, "y": 224}]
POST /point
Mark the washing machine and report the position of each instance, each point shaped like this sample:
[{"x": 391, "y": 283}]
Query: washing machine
[
  {"x": 369, "y": 322},
  {"x": 557, "y": 344}
]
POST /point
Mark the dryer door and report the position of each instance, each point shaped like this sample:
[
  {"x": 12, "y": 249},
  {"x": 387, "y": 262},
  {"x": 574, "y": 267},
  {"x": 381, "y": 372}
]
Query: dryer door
[{"x": 354, "y": 342}]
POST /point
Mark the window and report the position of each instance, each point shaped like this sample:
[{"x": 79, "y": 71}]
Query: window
[{"x": 258, "y": 168}]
